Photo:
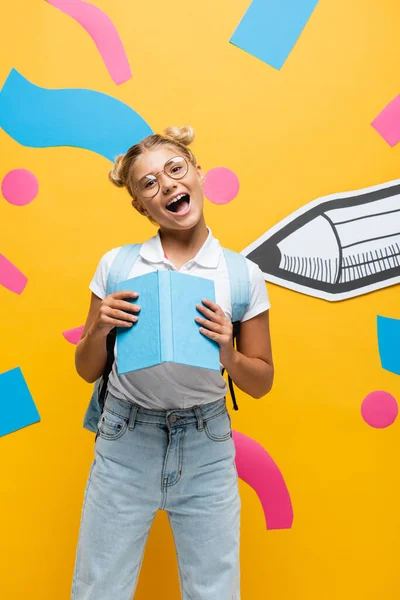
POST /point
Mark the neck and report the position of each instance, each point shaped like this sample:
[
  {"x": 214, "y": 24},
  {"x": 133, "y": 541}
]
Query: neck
[{"x": 181, "y": 246}]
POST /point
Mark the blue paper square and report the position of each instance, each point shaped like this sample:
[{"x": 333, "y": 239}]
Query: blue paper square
[{"x": 17, "y": 408}]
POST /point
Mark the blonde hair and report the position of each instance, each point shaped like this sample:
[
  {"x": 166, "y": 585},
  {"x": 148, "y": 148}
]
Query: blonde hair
[{"x": 177, "y": 137}]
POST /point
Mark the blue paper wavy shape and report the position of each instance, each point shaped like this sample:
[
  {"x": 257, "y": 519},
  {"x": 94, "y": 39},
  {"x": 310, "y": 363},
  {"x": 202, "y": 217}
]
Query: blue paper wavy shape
[
  {"x": 389, "y": 343},
  {"x": 41, "y": 118}
]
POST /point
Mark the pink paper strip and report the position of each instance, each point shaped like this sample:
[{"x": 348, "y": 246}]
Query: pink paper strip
[
  {"x": 257, "y": 469},
  {"x": 73, "y": 335},
  {"x": 387, "y": 123},
  {"x": 104, "y": 34},
  {"x": 10, "y": 277}
]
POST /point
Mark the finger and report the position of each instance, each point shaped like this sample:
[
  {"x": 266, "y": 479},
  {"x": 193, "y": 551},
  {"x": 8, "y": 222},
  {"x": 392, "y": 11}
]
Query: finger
[
  {"x": 128, "y": 306},
  {"x": 121, "y": 315},
  {"x": 210, "y": 334},
  {"x": 218, "y": 316},
  {"x": 212, "y": 305},
  {"x": 210, "y": 325},
  {"x": 124, "y": 294},
  {"x": 117, "y": 322}
]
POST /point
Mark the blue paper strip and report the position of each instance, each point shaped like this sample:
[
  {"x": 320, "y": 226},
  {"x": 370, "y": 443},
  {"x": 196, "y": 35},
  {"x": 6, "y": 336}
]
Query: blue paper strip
[
  {"x": 389, "y": 343},
  {"x": 17, "y": 408},
  {"x": 270, "y": 28},
  {"x": 41, "y": 118}
]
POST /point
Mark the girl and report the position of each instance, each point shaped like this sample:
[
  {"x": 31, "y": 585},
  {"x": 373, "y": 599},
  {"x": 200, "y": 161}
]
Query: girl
[{"x": 164, "y": 438}]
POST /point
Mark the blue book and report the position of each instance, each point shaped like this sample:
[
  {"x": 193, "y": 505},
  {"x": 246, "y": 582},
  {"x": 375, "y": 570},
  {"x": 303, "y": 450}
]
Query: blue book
[{"x": 166, "y": 330}]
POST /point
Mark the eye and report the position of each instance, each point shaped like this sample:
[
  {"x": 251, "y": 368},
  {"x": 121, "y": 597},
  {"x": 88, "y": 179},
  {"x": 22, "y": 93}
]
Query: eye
[
  {"x": 149, "y": 184},
  {"x": 176, "y": 169}
]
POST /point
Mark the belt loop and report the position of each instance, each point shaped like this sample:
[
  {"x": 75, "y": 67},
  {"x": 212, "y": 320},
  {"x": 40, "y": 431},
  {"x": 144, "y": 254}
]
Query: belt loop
[
  {"x": 200, "y": 424},
  {"x": 132, "y": 417}
]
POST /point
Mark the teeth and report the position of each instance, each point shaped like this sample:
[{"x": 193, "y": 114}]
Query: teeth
[{"x": 176, "y": 199}]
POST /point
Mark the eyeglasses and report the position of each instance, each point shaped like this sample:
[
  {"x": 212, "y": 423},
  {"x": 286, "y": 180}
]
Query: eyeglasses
[{"x": 149, "y": 185}]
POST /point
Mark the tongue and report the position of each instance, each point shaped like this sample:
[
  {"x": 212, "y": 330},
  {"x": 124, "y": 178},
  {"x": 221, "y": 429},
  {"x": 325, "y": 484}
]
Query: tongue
[{"x": 181, "y": 205}]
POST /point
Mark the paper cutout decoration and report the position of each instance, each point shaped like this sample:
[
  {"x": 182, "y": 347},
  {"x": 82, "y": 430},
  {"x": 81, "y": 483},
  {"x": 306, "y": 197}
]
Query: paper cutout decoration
[
  {"x": 104, "y": 34},
  {"x": 221, "y": 185},
  {"x": 42, "y": 118},
  {"x": 17, "y": 407},
  {"x": 166, "y": 330},
  {"x": 270, "y": 28},
  {"x": 20, "y": 187},
  {"x": 73, "y": 336},
  {"x": 389, "y": 343},
  {"x": 257, "y": 469},
  {"x": 336, "y": 247},
  {"x": 11, "y": 277},
  {"x": 387, "y": 123},
  {"x": 379, "y": 409}
]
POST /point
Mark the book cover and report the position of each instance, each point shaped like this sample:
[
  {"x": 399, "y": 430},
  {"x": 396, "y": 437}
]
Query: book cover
[{"x": 166, "y": 330}]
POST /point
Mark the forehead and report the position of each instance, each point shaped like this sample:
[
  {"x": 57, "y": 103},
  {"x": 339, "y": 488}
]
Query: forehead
[{"x": 152, "y": 161}]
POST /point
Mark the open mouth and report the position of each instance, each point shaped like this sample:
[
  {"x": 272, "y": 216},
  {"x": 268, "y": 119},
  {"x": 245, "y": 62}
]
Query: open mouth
[{"x": 179, "y": 205}]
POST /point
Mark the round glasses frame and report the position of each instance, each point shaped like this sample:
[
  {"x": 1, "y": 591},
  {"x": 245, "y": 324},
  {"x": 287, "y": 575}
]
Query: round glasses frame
[{"x": 175, "y": 160}]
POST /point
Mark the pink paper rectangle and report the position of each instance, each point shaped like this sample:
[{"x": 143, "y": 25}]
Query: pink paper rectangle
[
  {"x": 11, "y": 277},
  {"x": 387, "y": 123}
]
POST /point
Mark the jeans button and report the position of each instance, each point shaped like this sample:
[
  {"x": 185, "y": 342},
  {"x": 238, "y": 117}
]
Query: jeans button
[{"x": 172, "y": 419}]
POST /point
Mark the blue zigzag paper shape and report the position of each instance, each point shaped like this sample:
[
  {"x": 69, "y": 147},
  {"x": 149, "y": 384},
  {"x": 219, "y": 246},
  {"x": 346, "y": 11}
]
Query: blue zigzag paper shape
[
  {"x": 389, "y": 343},
  {"x": 270, "y": 28},
  {"x": 17, "y": 407},
  {"x": 41, "y": 118}
]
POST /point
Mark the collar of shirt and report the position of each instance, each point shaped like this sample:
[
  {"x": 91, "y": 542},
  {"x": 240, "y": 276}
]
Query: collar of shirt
[{"x": 208, "y": 256}]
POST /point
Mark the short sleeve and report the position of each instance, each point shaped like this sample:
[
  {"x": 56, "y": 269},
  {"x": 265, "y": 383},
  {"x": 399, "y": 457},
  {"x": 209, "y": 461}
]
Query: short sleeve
[
  {"x": 98, "y": 285},
  {"x": 259, "y": 299}
]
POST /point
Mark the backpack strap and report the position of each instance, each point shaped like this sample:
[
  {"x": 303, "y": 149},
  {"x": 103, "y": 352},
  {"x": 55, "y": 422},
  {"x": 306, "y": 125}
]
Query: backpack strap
[
  {"x": 239, "y": 280},
  {"x": 122, "y": 265},
  {"x": 119, "y": 271}
]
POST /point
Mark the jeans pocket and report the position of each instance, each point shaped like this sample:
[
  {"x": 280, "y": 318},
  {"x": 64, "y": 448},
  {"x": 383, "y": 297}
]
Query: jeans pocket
[
  {"x": 111, "y": 426},
  {"x": 219, "y": 428}
]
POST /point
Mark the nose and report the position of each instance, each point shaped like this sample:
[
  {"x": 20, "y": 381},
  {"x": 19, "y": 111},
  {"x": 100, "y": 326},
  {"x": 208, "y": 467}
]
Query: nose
[{"x": 167, "y": 184}]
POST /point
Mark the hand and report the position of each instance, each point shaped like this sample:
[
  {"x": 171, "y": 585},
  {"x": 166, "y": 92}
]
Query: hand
[
  {"x": 217, "y": 327},
  {"x": 116, "y": 312}
]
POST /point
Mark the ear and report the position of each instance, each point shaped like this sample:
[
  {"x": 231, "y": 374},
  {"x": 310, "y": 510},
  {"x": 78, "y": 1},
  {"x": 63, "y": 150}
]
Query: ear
[
  {"x": 200, "y": 174},
  {"x": 141, "y": 210}
]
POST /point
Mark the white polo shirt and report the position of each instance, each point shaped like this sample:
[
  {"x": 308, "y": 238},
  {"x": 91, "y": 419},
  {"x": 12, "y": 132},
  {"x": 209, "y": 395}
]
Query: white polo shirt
[{"x": 169, "y": 385}]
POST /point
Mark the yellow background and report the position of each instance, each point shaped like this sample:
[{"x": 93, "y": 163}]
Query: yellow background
[{"x": 290, "y": 136}]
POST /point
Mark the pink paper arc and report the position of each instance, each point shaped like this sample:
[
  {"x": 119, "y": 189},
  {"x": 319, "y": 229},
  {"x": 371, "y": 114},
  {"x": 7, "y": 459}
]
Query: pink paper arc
[
  {"x": 73, "y": 335},
  {"x": 11, "y": 277},
  {"x": 257, "y": 469},
  {"x": 104, "y": 34},
  {"x": 387, "y": 123}
]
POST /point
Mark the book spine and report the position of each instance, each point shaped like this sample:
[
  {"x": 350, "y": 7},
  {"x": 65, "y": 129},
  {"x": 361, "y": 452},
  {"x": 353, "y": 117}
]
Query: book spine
[{"x": 165, "y": 303}]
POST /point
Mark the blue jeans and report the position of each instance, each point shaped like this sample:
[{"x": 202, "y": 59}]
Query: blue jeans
[{"x": 180, "y": 461}]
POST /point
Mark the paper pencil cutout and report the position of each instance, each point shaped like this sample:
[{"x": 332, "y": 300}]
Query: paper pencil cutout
[
  {"x": 336, "y": 247},
  {"x": 166, "y": 330}
]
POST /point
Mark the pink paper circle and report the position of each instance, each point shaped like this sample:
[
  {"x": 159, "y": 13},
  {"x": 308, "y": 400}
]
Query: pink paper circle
[
  {"x": 221, "y": 185},
  {"x": 20, "y": 187},
  {"x": 379, "y": 409}
]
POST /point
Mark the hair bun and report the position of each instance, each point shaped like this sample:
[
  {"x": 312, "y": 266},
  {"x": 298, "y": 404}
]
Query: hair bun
[
  {"x": 182, "y": 135},
  {"x": 115, "y": 175}
]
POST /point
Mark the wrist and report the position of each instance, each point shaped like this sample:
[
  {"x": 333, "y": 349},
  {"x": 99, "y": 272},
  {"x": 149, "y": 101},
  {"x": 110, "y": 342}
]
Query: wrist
[
  {"x": 230, "y": 359},
  {"x": 96, "y": 332}
]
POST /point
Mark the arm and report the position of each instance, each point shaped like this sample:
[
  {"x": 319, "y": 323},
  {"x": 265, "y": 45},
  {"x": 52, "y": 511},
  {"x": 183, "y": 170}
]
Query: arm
[
  {"x": 250, "y": 366},
  {"x": 104, "y": 315}
]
